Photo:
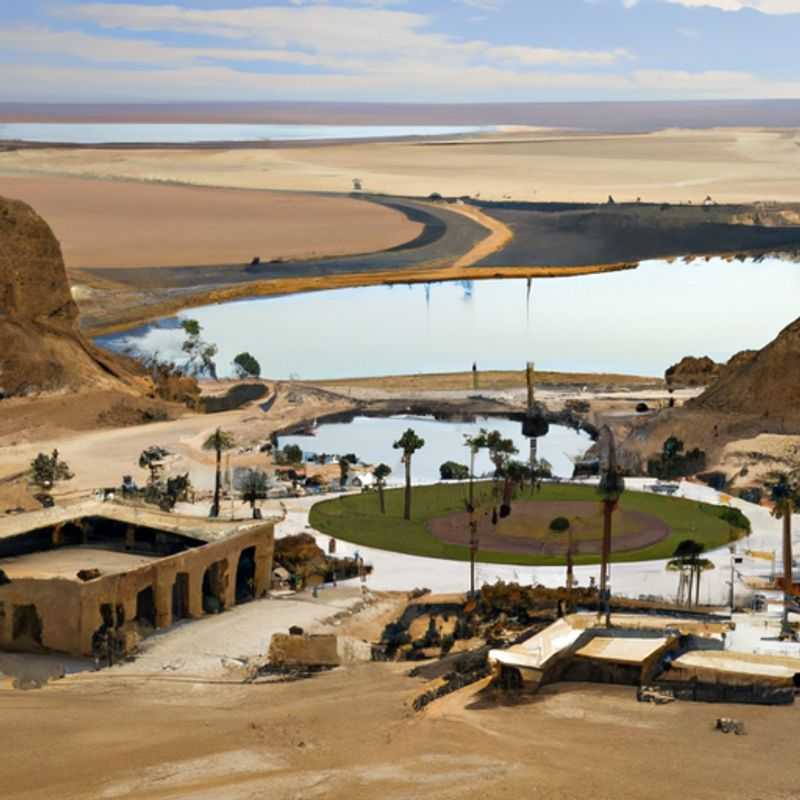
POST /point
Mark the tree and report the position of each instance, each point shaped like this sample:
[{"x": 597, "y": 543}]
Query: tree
[
  {"x": 292, "y": 454},
  {"x": 254, "y": 487},
  {"x": 686, "y": 561},
  {"x": 476, "y": 444},
  {"x": 152, "y": 459},
  {"x": 453, "y": 471},
  {"x": 218, "y": 441},
  {"x": 409, "y": 443},
  {"x": 610, "y": 488},
  {"x": 344, "y": 470},
  {"x": 381, "y": 473},
  {"x": 670, "y": 451},
  {"x": 46, "y": 470},
  {"x": 500, "y": 451},
  {"x": 785, "y": 496},
  {"x": 246, "y": 366},
  {"x": 200, "y": 354}
]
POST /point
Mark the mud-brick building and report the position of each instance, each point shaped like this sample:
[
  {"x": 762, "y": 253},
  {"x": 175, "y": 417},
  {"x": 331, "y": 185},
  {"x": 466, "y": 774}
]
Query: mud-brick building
[{"x": 102, "y": 575}]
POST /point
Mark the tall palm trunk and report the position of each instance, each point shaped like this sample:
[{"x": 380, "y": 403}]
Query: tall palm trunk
[
  {"x": 381, "y": 497},
  {"x": 697, "y": 593},
  {"x": 217, "y": 484},
  {"x": 787, "y": 568},
  {"x": 407, "y": 509},
  {"x": 608, "y": 509}
]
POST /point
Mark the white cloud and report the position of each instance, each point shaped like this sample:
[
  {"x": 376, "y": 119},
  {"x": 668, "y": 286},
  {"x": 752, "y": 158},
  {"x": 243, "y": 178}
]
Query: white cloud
[{"x": 764, "y": 6}]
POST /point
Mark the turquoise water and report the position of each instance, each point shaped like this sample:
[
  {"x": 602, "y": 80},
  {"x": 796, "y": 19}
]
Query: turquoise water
[
  {"x": 180, "y": 133},
  {"x": 371, "y": 439},
  {"x": 635, "y": 322}
]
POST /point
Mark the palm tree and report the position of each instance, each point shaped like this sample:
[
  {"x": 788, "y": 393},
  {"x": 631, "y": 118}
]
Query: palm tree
[
  {"x": 152, "y": 459},
  {"x": 344, "y": 471},
  {"x": 610, "y": 488},
  {"x": 785, "y": 496},
  {"x": 254, "y": 487},
  {"x": 409, "y": 443},
  {"x": 500, "y": 451},
  {"x": 218, "y": 441},
  {"x": 381, "y": 473},
  {"x": 476, "y": 444}
]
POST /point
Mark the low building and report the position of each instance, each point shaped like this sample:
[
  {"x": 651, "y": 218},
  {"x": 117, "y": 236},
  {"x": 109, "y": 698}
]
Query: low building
[{"x": 104, "y": 574}]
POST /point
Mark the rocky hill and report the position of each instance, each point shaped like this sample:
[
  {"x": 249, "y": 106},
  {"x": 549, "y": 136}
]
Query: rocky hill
[
  {"x": 764, "y": 383},
  {"x": 691, "y": 371},
  {"x": 41, "y": 346}
]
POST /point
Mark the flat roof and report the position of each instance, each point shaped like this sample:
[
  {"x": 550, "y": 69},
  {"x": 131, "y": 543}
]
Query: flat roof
[
  {"x": 727, "y": 661},
  {"x": 624, "y": 650},
  {"x": 211, "y": 530},
  {"x": 66, "y": 562}
]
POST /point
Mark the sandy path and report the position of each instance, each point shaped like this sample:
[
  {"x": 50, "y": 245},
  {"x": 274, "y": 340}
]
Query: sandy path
[
  {"x": 115, "y": 224},
  {"x": 730, "y": 164}
]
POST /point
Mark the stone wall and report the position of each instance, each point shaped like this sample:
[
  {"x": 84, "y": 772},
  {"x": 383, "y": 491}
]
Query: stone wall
[{"x": 70, "y": 612}]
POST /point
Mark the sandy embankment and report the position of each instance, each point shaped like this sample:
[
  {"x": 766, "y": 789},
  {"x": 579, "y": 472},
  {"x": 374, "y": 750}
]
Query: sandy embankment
[
  {"x": 730, "y": 164},
  {"x": 104, "y": 223}
]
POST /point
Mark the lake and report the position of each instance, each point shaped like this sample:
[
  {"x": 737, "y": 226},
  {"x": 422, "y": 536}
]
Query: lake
[
  {"x": 371, "y": 439},
  {"x": 180, "y": 133},
  {"x": 633, "y": 322}
]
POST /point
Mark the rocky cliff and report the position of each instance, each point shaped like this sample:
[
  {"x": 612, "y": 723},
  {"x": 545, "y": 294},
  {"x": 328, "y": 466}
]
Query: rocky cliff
[
  {"x": 41, "y": 347},
  {"x": 764, "y": 383}
]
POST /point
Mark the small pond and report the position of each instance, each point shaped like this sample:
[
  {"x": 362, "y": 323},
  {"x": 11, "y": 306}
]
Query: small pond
[{"x": 371, "y": 439}]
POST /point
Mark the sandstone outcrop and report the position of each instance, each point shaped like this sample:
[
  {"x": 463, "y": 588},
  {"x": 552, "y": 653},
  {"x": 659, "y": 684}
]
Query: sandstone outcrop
[
  {"x": 764, "y": 383},
  {"x": 691, "y": 371},
  {"x": 41, "y": 346}
]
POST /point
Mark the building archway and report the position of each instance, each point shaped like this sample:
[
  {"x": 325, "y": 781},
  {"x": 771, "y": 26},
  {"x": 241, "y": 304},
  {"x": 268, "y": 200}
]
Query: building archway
[
  {"x": 146, "y": 607},
  {"x": 246, "y": 576},
  {"x": 214, "y": 587}
]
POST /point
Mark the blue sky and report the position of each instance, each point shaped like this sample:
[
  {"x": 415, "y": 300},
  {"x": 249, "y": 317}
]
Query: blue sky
[{"x": 399, "y": 50}]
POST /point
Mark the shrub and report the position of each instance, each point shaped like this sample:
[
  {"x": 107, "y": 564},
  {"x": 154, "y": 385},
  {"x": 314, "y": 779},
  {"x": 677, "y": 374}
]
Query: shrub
[
  {"x": 453, "y": 471},
  {"x": 292, "y": 454},
  {"x": 246, "y": 366},
  {"x": 559, "y": 525}
]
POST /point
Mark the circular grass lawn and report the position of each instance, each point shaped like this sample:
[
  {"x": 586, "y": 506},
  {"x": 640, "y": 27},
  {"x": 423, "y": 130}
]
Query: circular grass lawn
[{"x": 645, "y": 526}]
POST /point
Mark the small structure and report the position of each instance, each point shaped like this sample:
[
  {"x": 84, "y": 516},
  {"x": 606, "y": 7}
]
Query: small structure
[{"x": 102, "y": 573}]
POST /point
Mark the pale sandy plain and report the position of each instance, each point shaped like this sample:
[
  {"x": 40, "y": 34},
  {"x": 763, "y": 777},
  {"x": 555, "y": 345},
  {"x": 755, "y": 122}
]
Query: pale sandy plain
[
  {"x": 103, "y": 223},
  {"x": 730, "y": 164}
]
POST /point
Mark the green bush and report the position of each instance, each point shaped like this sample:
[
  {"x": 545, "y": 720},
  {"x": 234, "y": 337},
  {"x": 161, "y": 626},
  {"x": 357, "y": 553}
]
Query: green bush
[
  {"x": 559, "y": 525},
  {"x": 453, "y": 471}
]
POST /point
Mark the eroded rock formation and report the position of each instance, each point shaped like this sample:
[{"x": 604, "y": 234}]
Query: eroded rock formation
[
  {"x": 764, "y": 383},
  {"x": 691, "y": 371},
  {"x": 41, "y": 347}
]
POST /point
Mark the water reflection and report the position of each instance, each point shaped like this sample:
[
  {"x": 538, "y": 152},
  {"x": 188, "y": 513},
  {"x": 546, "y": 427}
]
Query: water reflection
[
  {"x": 634, "y": 321},
  {"x": 371, "y": 439}
]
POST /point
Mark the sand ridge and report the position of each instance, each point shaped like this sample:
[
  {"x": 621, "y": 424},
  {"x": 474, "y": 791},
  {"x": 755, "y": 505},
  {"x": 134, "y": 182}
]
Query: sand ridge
[{"x": 127, "y": 224}]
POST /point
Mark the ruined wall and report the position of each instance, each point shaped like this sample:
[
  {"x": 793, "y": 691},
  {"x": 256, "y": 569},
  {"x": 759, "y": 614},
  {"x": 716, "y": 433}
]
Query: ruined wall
[
  {"x": 70, "y": 611},
  {"x": 58, "y": 608}
]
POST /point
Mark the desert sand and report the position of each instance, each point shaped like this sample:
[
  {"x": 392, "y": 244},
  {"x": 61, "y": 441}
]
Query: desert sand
[
  {"x": 731, "y": 165},
  {"x": 352, "y": 734},
  {"x": 102, "y": 223}
]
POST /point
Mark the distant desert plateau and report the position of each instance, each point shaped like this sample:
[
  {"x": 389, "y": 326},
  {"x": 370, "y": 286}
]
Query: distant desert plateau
[{"x": 731, "y": 165}]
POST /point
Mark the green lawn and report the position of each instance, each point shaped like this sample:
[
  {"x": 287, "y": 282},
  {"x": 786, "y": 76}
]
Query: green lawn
[{"x": 357, "y": 519}]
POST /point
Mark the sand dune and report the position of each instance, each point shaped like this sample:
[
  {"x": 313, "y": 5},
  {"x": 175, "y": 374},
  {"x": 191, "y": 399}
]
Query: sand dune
[
  {"x": 104, "y": 223},
  {"x": 731, "y": 165}
]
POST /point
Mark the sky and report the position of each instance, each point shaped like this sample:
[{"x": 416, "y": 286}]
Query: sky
[{"x": 399, "y": 50}]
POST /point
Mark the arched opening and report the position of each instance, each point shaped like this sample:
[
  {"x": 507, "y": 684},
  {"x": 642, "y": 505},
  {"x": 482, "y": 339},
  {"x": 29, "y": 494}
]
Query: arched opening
[
  {"x": 214, "y": 588},
  {"x": 180, "y": 596},
  {"x": 246, "y": 576},
  {"x": 146, "y": 607},
  {"x": 27, "y": 627}
]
